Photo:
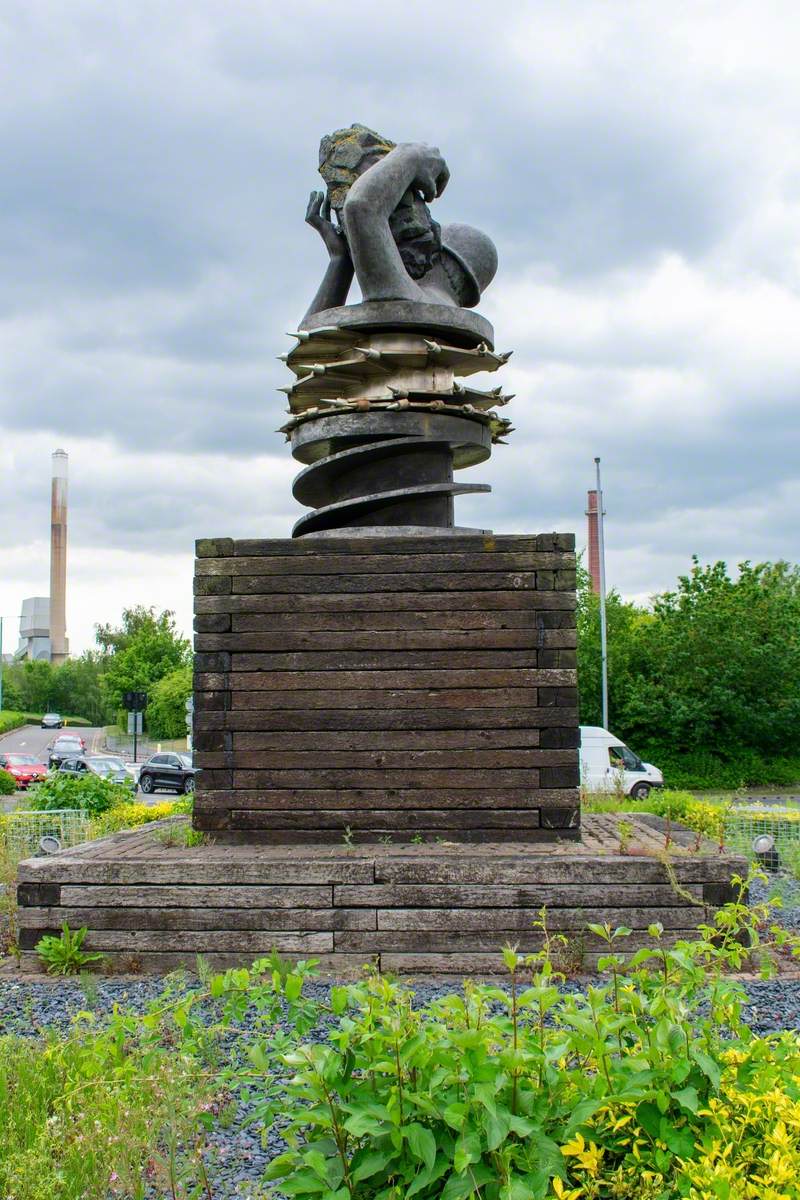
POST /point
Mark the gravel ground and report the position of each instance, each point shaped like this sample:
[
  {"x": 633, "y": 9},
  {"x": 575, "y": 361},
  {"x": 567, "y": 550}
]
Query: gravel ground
[{"x": 235, "y": 1157}]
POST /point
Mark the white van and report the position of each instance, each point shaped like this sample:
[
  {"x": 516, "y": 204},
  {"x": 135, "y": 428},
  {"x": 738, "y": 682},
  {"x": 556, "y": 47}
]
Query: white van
[{"x": 607, "y": 765}]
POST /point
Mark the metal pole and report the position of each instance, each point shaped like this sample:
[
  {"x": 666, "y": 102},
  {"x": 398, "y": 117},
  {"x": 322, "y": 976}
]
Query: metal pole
[
  {"x": 603, "y": 631},
  {"x": 135, "y": 730}
]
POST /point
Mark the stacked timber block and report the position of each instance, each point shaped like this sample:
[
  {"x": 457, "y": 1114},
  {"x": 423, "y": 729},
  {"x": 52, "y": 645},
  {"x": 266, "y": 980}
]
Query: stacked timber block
[
  {"x": 418, "y": 910},
  {"x": 379, "y": 688}
]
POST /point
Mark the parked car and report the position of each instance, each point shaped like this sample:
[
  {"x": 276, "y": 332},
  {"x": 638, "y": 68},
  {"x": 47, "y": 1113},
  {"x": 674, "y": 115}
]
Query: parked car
[
  {"x": 66, "y": 745},
  {"x": 607, "y": 764},
  {"x": 52, "y": 721},
  {"x": 167, "y": 771},
  {"x": 26, "y": 768},
  {"x": 107, "y": 768}
]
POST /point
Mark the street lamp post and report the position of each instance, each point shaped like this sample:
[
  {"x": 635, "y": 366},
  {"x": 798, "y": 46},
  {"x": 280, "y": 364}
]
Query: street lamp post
[{"x": 601, "y": 546}]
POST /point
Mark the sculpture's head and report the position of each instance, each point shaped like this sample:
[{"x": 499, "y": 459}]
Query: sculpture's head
[
  {"x": 467, "y": 255},
  {"x": 345, "y": 155},
  {"x": 418, "y": 236}
]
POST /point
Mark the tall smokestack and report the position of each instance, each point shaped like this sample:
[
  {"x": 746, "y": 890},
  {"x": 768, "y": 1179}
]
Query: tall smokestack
[
  {"x": 59, "y": 647},
  {"x": 594, "y": 542}
]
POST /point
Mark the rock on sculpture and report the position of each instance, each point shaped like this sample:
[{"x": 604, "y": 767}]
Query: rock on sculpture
[{"x": 378, "y": 412}]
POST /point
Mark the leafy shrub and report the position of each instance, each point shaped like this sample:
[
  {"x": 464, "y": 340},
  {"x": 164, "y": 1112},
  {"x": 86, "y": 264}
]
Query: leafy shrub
[
  {"x": 11, "y": 720},
  {"x": 15, "y": 720},
  {"x": 705, "y": 771},
  {"x": 88, "y": 792},
  {"x": 8, "y": 784},
  {"x": 62, "y": 954},
  {"x": 521, "y": 1091},
  {"x": 131, "y": 816}
]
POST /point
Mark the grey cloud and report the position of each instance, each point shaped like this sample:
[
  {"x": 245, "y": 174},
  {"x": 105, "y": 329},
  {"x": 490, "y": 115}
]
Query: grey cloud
[{"x": 152, "y": 250}]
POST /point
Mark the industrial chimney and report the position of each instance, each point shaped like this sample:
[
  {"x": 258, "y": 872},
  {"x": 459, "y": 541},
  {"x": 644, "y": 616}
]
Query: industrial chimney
[
  {"x": 59, "y": 647},
  {"x": 594, "y": 542}
]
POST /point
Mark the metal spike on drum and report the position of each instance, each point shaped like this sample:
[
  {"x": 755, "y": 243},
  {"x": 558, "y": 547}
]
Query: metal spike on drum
[{"x": 381, "y": 421}]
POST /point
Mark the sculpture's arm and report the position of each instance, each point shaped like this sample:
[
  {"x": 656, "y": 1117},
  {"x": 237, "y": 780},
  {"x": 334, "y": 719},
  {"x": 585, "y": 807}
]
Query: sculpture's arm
[
  {"x": 336, "y": 281},
  {"x": 369, "y": 204}
]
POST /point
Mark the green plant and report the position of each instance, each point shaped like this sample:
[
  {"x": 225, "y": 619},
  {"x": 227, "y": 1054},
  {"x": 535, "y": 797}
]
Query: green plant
[
  {"x": 132, "y": 815},
  {"x": 8, "y": 784},
  {"x": 179, "y": 833},
  {"x": 11, "y": 720},
  {"x": 9, "y": 923},
  {"x": 87, "y": 792},
  {"x": 517, "y": 1090},
  {"x": 96, "y": 1114},
  {"x": 63, "y": 954},
  {"x": 625, "y": 831}
]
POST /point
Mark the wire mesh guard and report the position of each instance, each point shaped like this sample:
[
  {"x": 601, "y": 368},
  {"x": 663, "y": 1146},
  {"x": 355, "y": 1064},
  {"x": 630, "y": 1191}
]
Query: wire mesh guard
[
  {"x": 744, "y": 825},
  {"x": 22, "y": 831}
]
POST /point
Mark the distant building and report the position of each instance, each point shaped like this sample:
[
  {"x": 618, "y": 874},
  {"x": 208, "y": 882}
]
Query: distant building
[
  {"x": 34, "y": 629},
  {"x": 43, "y": 624}
]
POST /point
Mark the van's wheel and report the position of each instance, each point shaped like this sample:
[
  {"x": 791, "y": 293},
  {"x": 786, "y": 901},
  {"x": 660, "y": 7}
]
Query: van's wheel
[
  {"x": 640, "y": 791},
  {"x": 188, "y": 787},
  {"x": 146, "y": 784}
]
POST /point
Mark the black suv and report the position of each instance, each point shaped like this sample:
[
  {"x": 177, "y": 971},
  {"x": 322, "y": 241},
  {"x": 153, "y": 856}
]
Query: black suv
[{"x": 171, "y": 771}]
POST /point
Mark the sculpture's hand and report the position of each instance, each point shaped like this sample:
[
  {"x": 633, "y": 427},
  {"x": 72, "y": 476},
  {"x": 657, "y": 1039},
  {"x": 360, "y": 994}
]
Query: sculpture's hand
[
  {"x": 318, "y": 216},
  {"x": 432, "y": 174}
]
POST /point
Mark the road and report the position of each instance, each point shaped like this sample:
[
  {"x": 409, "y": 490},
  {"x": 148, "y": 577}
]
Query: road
[{"x": 30, "y": 739}]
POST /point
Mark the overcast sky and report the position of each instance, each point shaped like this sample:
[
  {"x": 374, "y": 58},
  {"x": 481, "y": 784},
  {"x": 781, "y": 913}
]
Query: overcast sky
[{"x": 637, "y": 164}]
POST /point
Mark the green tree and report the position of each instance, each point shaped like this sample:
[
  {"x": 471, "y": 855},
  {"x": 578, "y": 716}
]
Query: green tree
[
  {"x": 146, "y": 647},
  {"x": 166, "y": 710},
  {"x": 624, "y": 621},
  {"x": 74, "y": 688},
  {"x": 722, "y": 662},
  {"x": 29, "y": 686}
]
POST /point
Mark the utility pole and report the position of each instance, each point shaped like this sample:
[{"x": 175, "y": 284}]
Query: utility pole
[{"x": 603, "y": 631}]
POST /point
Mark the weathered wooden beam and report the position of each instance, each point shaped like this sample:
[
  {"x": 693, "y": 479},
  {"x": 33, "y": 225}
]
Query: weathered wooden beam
[
  {"x": 396, "y": 819},
  {"x": 530, "y": 897},
  {"x": 433, "y": 544},
  {"x": 399, "y": 581},
  {"x": 328, "y": 564},
  {"x": 488, "y": 758},
  {"x": 417, "y": 719},
  {"x": 320, "y": 799},
  {"x": 233, "y": 917},
  {"x": 438, "y": 641},
  {"x": 382, "y": 680}
]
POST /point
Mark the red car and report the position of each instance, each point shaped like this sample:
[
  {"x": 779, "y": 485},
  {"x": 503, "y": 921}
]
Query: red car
[{"x": 25, "y": 768}]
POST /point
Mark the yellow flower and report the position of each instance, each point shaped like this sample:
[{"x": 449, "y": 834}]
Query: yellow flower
[
  {"x": 564, "y": 1194},
  {"x": 589, "y": 1156}
]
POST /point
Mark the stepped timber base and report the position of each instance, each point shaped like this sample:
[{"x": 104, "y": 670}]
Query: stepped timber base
[{"x": 435, "y": 909}]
